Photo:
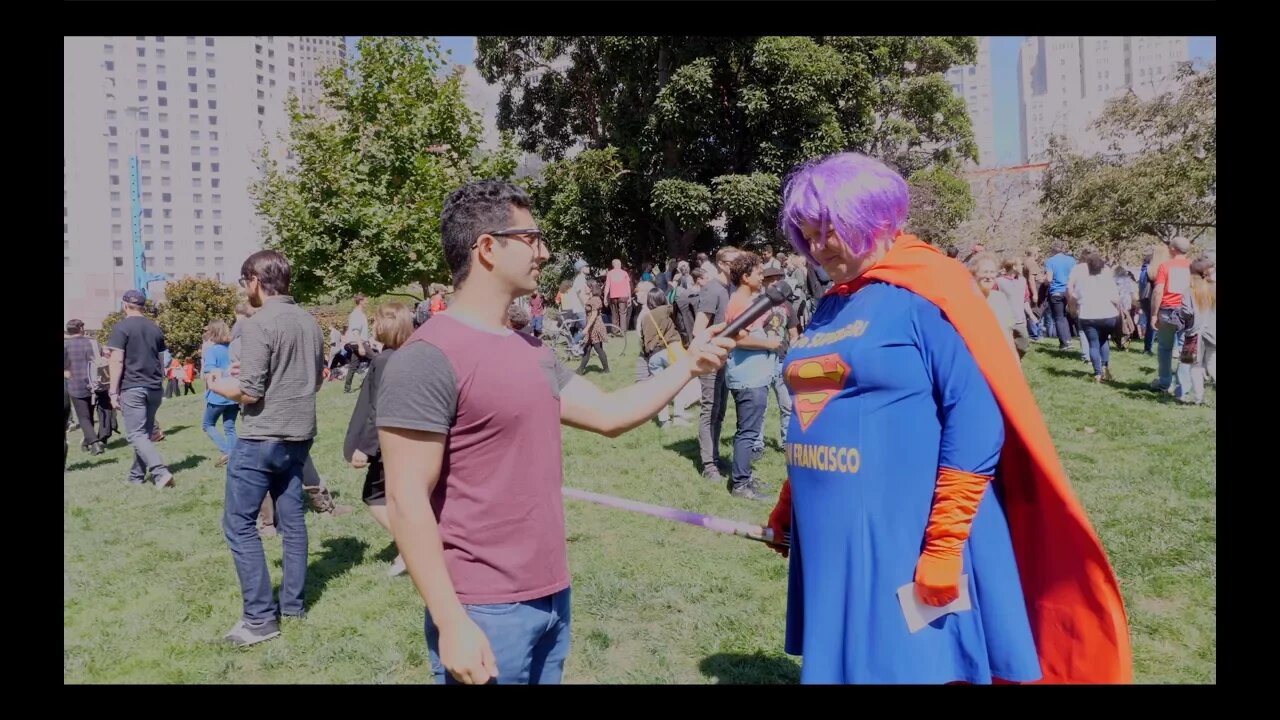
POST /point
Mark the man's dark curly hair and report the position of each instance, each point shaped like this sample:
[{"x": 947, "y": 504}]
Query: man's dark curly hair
[
  {"x": 472, "y": 210},
  {"x": 742, "y": 265}
]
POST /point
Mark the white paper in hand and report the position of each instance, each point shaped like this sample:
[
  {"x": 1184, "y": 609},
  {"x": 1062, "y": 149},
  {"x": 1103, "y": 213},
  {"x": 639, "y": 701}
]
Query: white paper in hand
[{"x": 918, "y": 614}]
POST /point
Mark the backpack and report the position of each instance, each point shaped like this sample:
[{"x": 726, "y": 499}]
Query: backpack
[
  {"x": 99, "y": 370},
  {"x": 422, "y": 313}
]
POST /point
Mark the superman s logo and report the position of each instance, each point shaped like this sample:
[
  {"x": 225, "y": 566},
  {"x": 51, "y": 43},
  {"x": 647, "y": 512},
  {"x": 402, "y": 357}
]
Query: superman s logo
[{"x": 813, "y": 382}]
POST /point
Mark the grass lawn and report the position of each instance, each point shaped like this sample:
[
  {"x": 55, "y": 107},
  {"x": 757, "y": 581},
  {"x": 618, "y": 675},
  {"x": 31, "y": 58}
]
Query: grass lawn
[{"x": 149, "y": 587}]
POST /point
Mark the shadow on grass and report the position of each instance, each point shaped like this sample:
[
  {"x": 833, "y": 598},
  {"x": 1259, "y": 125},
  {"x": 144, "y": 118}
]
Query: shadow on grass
[
  {"x": 689, "y": 449},
  {"x": 387, "y": 554},
  {"x": 186, "y": 463},
  {"x": 87, "y": 464},
  {"x": 174, "y": 430},
  {"x": 757, "y": 669},
  {"x": 338, "y": 556}
]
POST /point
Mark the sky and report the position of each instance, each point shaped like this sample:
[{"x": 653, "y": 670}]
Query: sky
[{"x": 1004, "y": 69}]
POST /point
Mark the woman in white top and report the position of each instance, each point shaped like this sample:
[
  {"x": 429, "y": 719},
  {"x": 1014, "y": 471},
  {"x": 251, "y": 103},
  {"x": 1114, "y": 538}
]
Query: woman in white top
[
  {"x": 1204, "y": 355},
  {"x": 984, "y": 269},
  {"x": 1098, "y": 300}
]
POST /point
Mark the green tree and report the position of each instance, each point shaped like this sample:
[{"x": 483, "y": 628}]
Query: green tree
[
  {"x": 357, "y": 207},
  {"x": 940, "y": 201},
  {"x": 1161, "y": 180},
  {"x": 690, "y": 129},
  {"x": 190, "y": 304}
]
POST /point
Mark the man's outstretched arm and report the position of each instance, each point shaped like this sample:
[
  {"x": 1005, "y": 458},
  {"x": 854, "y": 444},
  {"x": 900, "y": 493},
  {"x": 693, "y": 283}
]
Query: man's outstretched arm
[{"x": 587, "y": 407}]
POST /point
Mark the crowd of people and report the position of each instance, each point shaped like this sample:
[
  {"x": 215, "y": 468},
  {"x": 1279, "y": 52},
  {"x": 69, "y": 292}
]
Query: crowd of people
[{"x": 900, "y": 403}]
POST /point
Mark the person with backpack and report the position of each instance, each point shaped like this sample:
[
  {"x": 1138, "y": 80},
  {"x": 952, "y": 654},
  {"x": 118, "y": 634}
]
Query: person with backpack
[{"x": 87, "y": 373}]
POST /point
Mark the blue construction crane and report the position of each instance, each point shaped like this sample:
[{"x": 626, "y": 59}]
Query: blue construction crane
[{"x": 141, "y": 278}]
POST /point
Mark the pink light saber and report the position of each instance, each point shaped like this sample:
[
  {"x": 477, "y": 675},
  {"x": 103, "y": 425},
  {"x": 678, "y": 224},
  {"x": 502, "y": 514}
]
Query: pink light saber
[{"x": 729, "y": 527}]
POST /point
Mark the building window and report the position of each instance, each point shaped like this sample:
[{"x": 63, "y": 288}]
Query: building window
[
  {"x": 195, "y": 134},
  {"x": 142, "y": 69},
  {"x": 142, "y": 84},
  {"x": 192, "y": 87},
  {"x": 162, "y": 85},
  {"x": 193, "y": 103},
  {"x": 115, "y": 179},
  {"x": 163, "y": 101},
  {"x": 113, "y": 164},
  {"x": 271, "y": 54},
  {"x": 211, "y": 88},
  {"x": 217, "y": 215},
  {"x": 271, "y": 68},
  {"x": 217, "y": 199},
  {"x": 195, "y": 149},
  {"x": 164, "y": 149},
  {"x": 199, "y": 261},
  {"x": 261, "y": 111},
  {"x": 212, "y": 73},
  {"x": 110, "y": 66},
  {"x": 115, "y": 197},
  {"x": 197, "y": 198},
  {"x": 258, "y": 63},
  {"x": 292, "y": 76},
  {"x": 208, "y": 42},
  {"x": 191, "y": 40},
  {"x": 142, "y": 52},
  {"x": 168, "y": 261},
  {"x": 195, "y": 182},
  {"x": 148, "y": 229},
  {"x": 113, "y": 148},
  {"x": 199, "y": 214},
  {"x": 161, "y": 69},
  {"x": 261, "y": 95},
  {"x": 199, "y": 229},
  {"x": 217, "y": 229},
  {"x": 195, "y": 167},
  {"x": 146, "y": 181},
  {"x": 191, "y": 72},
  {"x": 159, "y": 53},
  {"x": 193, "y": 119},
  {"x": 115, "y": 212},
  {"x": 217, "y": 262},
  {"x": 164, "y": 117},
  {"x": 111, "y": 130},
  {"x": 208, "y": 57},
  {"x": 215, "y": 183},
  {"x": 168, "y": 230},
  {"x": 213, "y": 104},
  {"x": 115, "y": 229},
  {"x": 166, "y": 197},
  {"x": 165, "y": 181},
  {"x": 214, "y": 167},
  {"x": 191, "y": 56},
  {"x": 213, "y": 151},
  {"x": 109, "y": 49},
  {"x": 217, "y": 244}
]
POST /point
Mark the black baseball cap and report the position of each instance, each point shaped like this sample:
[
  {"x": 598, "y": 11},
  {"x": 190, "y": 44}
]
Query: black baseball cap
[{"x": 134, "y": 297}]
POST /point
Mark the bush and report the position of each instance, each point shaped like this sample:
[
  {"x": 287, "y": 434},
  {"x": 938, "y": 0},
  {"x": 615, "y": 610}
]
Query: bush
[{"x": 190, "y": 305}]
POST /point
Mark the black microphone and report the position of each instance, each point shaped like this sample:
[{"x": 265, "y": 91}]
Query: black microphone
[{"x": 774, "y": 295}]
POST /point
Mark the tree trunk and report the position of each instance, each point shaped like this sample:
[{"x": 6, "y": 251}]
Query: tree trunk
[{"x": 670, "y": 158}]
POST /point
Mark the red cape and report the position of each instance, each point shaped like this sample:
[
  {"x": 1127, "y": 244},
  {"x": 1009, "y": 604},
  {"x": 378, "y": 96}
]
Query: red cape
[{"x": 1073, "y": 599}]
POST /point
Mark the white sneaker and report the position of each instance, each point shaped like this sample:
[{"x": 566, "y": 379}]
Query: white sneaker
[{"x": 397, "y": 567}]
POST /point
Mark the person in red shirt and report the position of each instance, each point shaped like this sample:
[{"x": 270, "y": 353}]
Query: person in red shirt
[
  {"x": 617, "y": 291},
  {"x": 536, "y": 311},
  {"x": 469, "y": 415},
  {"x": 1173, "y": 280}
]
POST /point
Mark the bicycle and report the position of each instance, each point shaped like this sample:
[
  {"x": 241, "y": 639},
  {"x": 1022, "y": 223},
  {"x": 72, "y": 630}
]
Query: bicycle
[{"x": 560, "y": 338}]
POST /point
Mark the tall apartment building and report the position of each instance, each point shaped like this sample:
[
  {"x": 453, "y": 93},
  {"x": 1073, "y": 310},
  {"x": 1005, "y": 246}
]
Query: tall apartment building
[
  {"x": 196, "y": 112},
  {"x": 318, "y": 54},
  {"x": 973, "y": 83},
  {"x": 1065, "y": 82}
]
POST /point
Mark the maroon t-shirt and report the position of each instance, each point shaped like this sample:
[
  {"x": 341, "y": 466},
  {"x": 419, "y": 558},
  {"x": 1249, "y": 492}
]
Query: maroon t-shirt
[{"x": 498, "y": 502}]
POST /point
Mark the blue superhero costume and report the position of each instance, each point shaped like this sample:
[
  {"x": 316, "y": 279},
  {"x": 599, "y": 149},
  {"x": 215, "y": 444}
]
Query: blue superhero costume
[{"x": 877, "y": 411}]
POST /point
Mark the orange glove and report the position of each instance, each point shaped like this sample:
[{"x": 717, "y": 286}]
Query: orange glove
[
  {"x": 955, "y": 502},
  {"x": 780, "y": 519}
]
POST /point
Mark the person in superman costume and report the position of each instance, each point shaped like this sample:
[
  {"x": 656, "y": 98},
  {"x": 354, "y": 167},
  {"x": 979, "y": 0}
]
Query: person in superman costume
[{"x": 917, "y": 457}]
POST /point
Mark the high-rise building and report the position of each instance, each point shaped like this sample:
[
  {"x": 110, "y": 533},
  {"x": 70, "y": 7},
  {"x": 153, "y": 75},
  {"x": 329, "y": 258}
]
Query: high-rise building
[
  {"x": 973, "y": 83},
  {"x": 1065, "y": 82},
  {"x": 195, "y": 112},
  {"x": 318, "y": 54}
]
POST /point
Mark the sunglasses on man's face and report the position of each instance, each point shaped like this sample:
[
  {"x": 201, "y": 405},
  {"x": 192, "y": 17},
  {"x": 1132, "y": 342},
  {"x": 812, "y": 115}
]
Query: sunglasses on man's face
[{"x": 529, "y": 236}]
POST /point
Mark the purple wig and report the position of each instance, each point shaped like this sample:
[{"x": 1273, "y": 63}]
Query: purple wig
[{"x": 860, "y": 197}]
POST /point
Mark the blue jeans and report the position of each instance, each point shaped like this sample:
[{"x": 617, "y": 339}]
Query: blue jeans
[
  {"x": 750, "y": 404},
  {"x": 783, "y": 395},
  {"x": 1168, "y": 343},
  {"x": 536, "y": 321},
  {"x": 530, "y": 639},
  {"x": 258, "y": 467},
  {"x": 1098, "y": 332},
  {"x": 139, "y": 406},
  {"x": 225, "y": 440}
]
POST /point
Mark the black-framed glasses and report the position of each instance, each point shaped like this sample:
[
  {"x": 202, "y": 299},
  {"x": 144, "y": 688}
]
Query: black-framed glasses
[{"x": 528, "y": 236}]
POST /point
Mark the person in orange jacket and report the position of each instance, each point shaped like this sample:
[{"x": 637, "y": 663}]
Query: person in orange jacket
[{"x": 921, "y": 475}]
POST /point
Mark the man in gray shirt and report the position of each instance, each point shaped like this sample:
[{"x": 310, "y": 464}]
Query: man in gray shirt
[
  {"x": 281, "y": 369},
  {"x": 713, "y": 302}
]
